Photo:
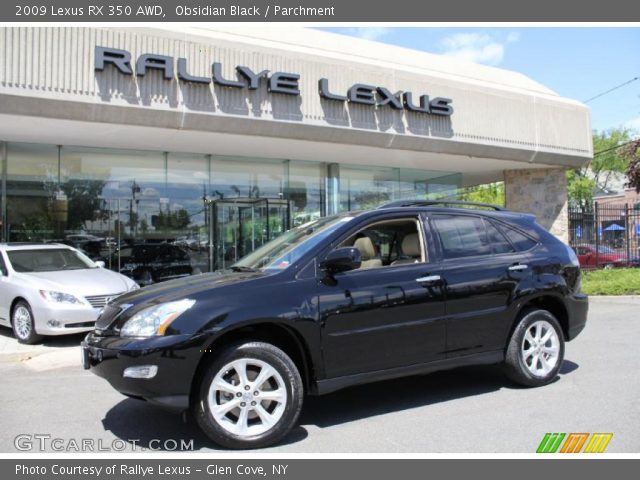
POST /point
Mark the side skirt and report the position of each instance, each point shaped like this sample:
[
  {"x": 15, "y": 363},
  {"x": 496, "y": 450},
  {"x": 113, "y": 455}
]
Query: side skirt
[{"x": 332, "y": 384}]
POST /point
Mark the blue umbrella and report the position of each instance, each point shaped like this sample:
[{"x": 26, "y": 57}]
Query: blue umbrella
[{"x": 613, "y": 227}]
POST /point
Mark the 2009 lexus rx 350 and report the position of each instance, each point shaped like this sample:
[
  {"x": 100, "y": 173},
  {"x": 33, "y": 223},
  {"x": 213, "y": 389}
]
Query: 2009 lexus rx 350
[{"x": 408, "y": 288}]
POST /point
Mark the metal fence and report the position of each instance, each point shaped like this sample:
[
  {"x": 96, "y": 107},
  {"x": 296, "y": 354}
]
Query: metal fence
[{"x": 606, "y": 235}]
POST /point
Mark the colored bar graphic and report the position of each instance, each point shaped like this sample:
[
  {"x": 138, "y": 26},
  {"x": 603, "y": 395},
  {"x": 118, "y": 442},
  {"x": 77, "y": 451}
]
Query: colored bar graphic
[
  {"x": 574, "y": 442},
  {"x": 598, "y": 442},
  {"x": 550, "y": 443}
]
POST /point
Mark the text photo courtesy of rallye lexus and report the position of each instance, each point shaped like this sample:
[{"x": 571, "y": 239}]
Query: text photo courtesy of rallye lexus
[
  {"x": 53, "y": 289},
  {"x": 405, "y": 289}
]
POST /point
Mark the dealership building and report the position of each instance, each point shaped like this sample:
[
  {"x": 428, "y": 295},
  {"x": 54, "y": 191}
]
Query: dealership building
[{"x": 219, "y": 138}]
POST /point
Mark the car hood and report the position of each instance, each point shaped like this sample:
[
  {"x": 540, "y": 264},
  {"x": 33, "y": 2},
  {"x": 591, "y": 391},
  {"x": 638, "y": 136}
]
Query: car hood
[
  {"x": 91, "y": 281},
  {"x": 187, "y": 286}
]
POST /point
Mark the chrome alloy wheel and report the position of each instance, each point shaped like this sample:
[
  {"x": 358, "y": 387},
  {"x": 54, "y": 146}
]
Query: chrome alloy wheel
[
  {"x": 540, "y": 348},
  {"x": 22, "y": 322},
  {"x": 247, "y": 397}
]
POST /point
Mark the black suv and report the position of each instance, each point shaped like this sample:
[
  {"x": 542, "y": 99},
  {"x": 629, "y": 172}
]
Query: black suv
[
  {"x": 408, "y": 288},
  {"x": 148, "y": 263}
]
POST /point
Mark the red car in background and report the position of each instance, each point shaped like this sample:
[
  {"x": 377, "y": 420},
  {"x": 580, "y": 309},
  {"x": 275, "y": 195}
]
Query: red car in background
[{"x": 606, "y": 257}]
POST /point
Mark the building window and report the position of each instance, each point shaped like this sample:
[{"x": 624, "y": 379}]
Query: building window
[
  {"x": 36, "y": 207},
  {"x": 206, "y": 211}
]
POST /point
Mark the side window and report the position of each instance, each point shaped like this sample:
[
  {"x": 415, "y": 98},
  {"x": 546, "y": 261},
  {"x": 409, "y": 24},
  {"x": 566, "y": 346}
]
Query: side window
[
  {"x": 462, "y": 236},
  {"x": 499, "y": 242},
  {"x": 520, "y": 241},
  {"x": 3, "y": 267},
  {"x": 388, "y": 243},
  {"x": 177, "y": 253},
  {"x": 145, "y": 253}
]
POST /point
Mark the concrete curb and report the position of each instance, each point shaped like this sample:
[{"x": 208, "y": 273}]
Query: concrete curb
[
  {"x": 67, "y": 357},
  {"x": 617, "y": 299}
]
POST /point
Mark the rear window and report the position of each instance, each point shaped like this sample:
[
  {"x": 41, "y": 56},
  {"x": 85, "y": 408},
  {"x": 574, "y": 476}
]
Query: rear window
[
  {"x": 498, "y": 241},
  {"x": 519, "y": 240}
]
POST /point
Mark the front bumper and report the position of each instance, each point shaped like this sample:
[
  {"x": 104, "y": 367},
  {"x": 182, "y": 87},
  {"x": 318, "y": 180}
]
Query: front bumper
[
  {"x": 51, "y": 319},
  {"x": 578, "y": 308},
  {"x": 176, "y": 357}
]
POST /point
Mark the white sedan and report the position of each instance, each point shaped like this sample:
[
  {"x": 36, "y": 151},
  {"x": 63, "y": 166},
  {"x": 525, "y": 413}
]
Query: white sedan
[{"x": 53, "y": 289}]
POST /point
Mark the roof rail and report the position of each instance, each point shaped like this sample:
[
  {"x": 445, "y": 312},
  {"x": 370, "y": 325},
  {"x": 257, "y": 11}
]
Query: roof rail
[{"x": 430, "y": 203}]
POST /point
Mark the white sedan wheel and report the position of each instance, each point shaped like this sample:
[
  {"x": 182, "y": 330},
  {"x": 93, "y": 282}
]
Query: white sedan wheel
[{"x": 22, "y": 321}]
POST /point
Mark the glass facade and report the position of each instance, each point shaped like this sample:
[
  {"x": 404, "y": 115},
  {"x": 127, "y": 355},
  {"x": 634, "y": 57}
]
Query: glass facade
[{"x": 205, "y": 211}]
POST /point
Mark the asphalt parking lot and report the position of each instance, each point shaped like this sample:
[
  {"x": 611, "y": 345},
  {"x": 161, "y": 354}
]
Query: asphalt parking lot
[{"x": 45, "y": 391}]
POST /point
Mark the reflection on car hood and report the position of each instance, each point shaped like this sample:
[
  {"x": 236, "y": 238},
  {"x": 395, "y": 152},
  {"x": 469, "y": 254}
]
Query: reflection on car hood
[
  {"x": 183, "y": 287},
  {"x": 91, "y": 281}
]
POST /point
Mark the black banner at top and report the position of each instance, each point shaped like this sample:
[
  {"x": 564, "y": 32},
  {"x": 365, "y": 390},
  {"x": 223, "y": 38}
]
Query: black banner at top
[{"x": 318, "y": 11}]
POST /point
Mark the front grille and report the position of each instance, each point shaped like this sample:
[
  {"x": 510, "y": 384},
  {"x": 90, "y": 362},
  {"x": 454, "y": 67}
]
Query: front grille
[
  {"x": 100, "y": 301},
  {"x": 107, "y": 316}
]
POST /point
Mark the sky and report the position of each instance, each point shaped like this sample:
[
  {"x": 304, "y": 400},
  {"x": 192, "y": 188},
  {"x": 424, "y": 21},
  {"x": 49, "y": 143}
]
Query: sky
[{"x": 575, "y": 62}]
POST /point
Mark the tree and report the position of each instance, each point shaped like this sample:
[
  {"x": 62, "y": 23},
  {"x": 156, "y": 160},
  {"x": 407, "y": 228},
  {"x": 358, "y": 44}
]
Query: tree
[
  {"x": 144, "y": 226},
  {"x": 582, "y": 183},
  {"x": 606, "y": 158},
  {"x": 492, "y": 193},
  {"x": 580, "y": 187},
  {"x": 84, "y": 201},
  {"x": 178, "y": 220},
  {"x": 631, "y": 151}
]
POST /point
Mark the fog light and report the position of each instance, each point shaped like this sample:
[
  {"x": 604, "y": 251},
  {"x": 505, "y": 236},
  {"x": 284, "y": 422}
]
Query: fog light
[
  {"x": 53, "y": 323},
  {"x": 143, "y": 371}
]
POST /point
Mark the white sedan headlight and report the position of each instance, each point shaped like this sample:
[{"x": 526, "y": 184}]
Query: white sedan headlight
[
  {"x": 60, "y": 297},
  {"x": 155, "y": 320}
]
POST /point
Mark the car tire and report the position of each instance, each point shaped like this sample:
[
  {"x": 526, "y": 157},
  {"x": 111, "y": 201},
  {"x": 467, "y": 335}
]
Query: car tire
[
  {"x": 146, "y": 278},
  {"x": 236, "y": 412},
  {"x": 23, "y": 324},
  {"x": 608, "y": 266},
  {"x": 536, "y": 349}
]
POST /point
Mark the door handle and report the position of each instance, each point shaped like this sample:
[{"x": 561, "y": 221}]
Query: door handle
[
  {"x": 429, "y": 279},
  {"x": 518, "y": 268}
]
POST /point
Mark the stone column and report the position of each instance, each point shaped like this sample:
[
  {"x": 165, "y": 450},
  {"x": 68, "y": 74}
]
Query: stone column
[{"x": 542, "y": 192}]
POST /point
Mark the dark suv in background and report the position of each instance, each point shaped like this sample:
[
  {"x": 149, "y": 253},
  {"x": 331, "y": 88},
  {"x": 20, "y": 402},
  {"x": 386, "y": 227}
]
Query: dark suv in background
[
  {"x": 148, "y": 263},
  {"x": 408, "y": 288}
]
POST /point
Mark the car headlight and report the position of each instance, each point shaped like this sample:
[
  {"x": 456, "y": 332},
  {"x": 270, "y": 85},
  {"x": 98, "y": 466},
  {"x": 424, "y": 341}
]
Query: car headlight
[
  {"x": 133, "y": 287},
  {"x": 155, "y": 320},
  {"x": 60, "y": 297}
]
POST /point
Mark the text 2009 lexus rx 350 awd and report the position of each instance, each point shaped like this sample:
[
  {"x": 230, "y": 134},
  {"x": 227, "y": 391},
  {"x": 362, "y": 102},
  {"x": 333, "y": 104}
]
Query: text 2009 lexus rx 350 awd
[{"x": 408, "y": 288}]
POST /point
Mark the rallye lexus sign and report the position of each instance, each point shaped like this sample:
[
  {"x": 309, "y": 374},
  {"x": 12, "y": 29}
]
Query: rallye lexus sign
[{"x": 277, "y": 82}]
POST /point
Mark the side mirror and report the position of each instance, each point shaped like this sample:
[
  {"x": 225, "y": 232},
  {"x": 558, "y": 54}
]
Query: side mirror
[
  {"x": 342, "y": 260},
  {"x": 100, "y": 263}
]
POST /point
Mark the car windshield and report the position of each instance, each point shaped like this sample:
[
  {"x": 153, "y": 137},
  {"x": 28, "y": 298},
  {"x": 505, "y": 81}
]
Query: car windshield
[
  {"x": 603, "y": 249},
  {"x": 284, "y": 250},
  {"x": 48, "y": 260}
]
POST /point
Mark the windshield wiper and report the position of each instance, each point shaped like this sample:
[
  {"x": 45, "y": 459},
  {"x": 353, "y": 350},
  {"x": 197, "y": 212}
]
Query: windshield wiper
[{"x": 240, "y": 268}]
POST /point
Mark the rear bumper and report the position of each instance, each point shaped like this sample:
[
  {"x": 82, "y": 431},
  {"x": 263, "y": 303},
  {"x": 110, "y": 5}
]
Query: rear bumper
[
  {"x": 176, "y": 358},
  {"x": 578, "y": 308}
]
